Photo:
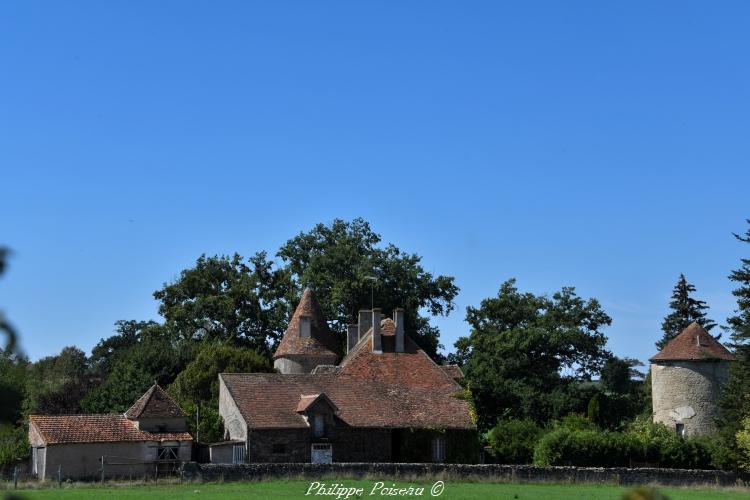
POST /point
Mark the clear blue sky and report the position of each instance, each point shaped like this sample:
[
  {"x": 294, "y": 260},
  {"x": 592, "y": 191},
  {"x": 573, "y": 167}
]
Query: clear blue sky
[{"x": 602, "y": 145}]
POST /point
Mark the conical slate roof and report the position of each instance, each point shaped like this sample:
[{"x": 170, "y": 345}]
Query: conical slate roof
[
  {"x": 694, "y": 343},
  {"x": 155, "y": 403},
  {"x": 321, "y": 340}
]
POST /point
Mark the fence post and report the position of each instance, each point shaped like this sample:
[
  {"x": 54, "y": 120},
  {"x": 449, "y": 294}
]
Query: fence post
[
  {"x": 15, "y": 477},
  {"x": 59, "y": 476},
  {"x": 102, "y": 480}
]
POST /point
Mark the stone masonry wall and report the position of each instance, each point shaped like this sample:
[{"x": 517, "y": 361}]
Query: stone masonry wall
[
  {"x": 687, "y": 392},
  {"x": 511, "y": 473}
]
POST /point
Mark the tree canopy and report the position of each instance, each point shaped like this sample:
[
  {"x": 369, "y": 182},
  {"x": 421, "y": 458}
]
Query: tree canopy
[
  {"x": 685, "y": 310},
  {"x": 525, "y": 351}
]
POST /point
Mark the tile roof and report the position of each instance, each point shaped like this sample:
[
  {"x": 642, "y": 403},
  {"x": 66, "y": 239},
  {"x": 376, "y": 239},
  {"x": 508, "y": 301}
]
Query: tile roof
[
  {"x": 321, "y": 342},
  {"x": 387, "y": 389},
  {"x": 270, "y": 401},
  {"x": 55, "y": 429},
  {"x": 453, "y": 371},
  {"x": 306, "y": 402},
  {"x": 155, "y": 403},
  {"x": 694, "y": 343}
]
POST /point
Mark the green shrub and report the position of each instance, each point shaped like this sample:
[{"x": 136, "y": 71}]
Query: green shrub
[
  {"x": 513, "y": 441},
  {"x": 14, "y": 445},
  {"x": 588, "y": 448}
]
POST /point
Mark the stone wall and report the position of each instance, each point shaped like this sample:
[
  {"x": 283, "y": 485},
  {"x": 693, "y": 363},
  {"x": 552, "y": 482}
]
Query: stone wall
[
  {"x": 490, "y": 472},
  {"x": 686, "y": 392}
]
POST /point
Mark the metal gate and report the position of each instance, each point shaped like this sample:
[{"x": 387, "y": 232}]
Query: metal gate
[{"x": 322, "y": 454}]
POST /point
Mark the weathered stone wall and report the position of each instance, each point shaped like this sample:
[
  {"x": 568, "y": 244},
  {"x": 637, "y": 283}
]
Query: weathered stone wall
[
  {"x": 515, "y": 473},
  {"x": 301, "y": 364},
  {"x": 235, "y": 427},
  {"x": 687, "y": 392}
]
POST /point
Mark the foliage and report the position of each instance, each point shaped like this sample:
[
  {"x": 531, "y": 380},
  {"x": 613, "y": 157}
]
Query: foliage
[
  {"x": 12, "y": 385},
  {"x": 513, "y": 441},
  {"x": 743, "y": 442},
  {"x": 228, "y": 299},
  {"x": 199, "y": 381},
  {"x": 154, "y": 358},
  {"x": 685, "y": 310},
  {"x": 526, "y": 353},
  {"x": 338, "y": 261},
  {"x": 56, "y": 384},
  {"x": 734, "y": 401},
  {"x": 620, "y": 376},
  {"x": 14, "y": 445},
  {"x": 108, "y": 351},
  {"x": 5, "y": 326}
]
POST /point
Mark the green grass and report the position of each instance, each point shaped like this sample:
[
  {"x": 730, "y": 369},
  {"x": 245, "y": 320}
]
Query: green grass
[{"x": 297, "y": 489}]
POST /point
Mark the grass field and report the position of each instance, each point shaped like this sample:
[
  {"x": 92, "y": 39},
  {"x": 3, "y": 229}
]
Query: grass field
[{"x": 297, "y": 489}]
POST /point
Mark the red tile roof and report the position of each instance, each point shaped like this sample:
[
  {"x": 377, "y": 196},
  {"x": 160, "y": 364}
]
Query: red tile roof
[
  {"x": 155, "y": 403},
  {"x": 55, "y": 429},
  {"x": 322, "y": 342},
  {"x": 387, "y": 389},
  {"x": 306, "y": 402},
  {"x": 453, "y": 371},
  {"x": 270, "y": 401},
  {"x": 694, "y": 343}
]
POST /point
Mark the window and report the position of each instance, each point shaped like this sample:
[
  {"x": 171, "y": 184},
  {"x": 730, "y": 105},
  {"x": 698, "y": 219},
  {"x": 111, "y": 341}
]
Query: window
[
  {"x": 680, "y": 428},
  {"x": 279, "y": 448},
  {"x": 239, "y": 454},
  {"x": 438, "y": 449},
  {"x": 319, "y": 425},
  {"x": 167, "y": 453}
]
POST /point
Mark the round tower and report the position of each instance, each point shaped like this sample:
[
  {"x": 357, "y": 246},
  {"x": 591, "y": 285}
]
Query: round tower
[{"x": 686, "y": 381}]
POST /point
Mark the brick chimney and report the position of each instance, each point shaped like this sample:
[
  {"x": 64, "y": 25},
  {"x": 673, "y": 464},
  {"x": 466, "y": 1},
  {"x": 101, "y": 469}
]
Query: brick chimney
[
  {"x": 304, "y": 326},
  {"x": 352, "y": 336},
  {"x": 398, "y": 318},
  {"x": 365, "y": 322},
  {"x": 377, "y": 343}
]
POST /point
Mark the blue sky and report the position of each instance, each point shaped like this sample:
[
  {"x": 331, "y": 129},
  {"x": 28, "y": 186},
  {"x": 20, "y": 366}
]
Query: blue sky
[{"x": 600, "y": 145}]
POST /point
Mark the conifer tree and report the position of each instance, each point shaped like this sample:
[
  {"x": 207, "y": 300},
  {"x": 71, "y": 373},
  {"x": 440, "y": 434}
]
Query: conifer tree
[
  {"x": 685, "y": 310},
  {"x": 735, "y": 400}
]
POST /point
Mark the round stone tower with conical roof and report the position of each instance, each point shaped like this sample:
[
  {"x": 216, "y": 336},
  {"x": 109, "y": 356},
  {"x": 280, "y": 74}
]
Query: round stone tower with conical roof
[
  {"x": 686, "y": 381},
  {"x": 308, "y": 341}
]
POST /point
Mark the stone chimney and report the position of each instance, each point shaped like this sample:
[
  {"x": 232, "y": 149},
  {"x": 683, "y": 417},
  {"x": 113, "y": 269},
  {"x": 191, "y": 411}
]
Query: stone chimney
[
  {"x": 365, "y": 322},
  {"x": 377, "y": 341},
  {"x": 352, "y": 336},
  {"x": 398, "y": 318},
  {"x": 304, "y": 326}
]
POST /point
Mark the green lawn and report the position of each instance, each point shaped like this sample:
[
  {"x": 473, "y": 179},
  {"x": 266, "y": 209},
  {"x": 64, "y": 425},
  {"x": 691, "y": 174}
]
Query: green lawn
[{"x": 297, "y": 489}]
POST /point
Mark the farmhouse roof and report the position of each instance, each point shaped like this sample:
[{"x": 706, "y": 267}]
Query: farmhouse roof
[
  {"x": 155, "y": 403},
  {"x": 694, "y": 343},
  {"x": 321, "y": 340},
  {"x": 388, "y": 389},
  {"x": 55, "y": 429},
  {"x": 453, "y": 371}
]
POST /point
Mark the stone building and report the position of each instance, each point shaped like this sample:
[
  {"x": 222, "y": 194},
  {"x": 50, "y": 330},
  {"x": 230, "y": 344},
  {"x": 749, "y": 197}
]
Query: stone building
[
  {"x": 385, "y": 400},
  {"x": 150, "y": 437},
  {"x": 686, "y": 381}
]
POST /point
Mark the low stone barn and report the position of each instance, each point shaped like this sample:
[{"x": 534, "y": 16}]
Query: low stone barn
[
  {"x": 686, "y": 380},
  {"x": 384, "y": 401},
  {"x": 149, "y": 437}
]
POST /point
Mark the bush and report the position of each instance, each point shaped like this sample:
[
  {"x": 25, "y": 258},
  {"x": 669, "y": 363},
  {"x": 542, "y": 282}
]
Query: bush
[
  {"x": 14, "y": 445},
  {"x": 588, "y": 448},
  {"x": 513, "y": 441}
]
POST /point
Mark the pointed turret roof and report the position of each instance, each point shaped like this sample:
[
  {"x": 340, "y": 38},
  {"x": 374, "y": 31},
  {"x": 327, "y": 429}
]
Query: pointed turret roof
[
  {"x": 321, "y": 340},
  {"x": 155, "y": 403},
  {"x": 694, "y": 343}
]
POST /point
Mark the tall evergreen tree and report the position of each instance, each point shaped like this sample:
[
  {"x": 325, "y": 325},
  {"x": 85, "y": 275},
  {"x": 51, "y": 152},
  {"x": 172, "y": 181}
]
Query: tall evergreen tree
[
  {"x": 685, "y": 310},
  {"x": 735, "y": 400}
]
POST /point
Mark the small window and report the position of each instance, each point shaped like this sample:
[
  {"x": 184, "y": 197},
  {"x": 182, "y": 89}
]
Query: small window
[
  {"x": 680, "y": 428},
  {"x": 319, "y": 425},
  {"x": 167, "y": 453},
  {"x": 279, "y": 448},
  {"x": 438, "y": 450}
]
